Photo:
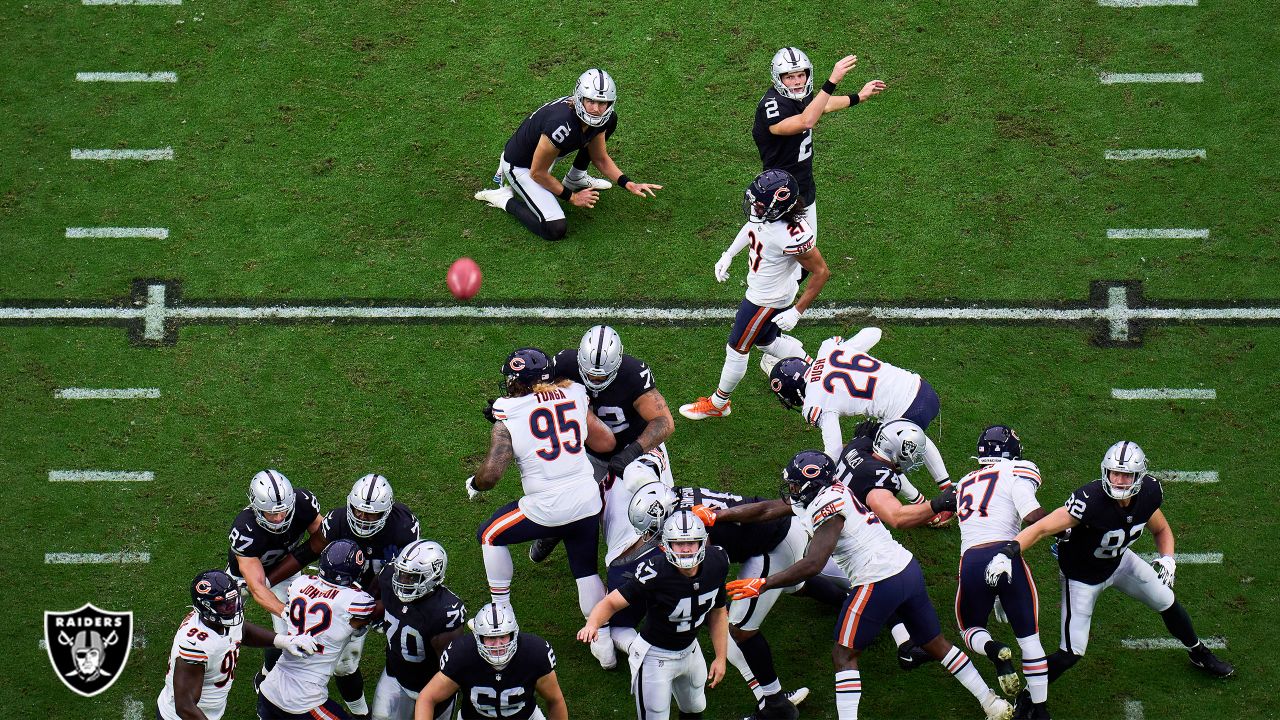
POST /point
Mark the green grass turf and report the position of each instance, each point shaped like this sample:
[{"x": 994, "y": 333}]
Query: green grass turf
[{"x": 324, "y": 151}]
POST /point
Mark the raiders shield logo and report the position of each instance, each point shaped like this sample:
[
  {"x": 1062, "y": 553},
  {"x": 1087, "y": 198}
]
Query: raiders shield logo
[{"x": 88, "y": 647}]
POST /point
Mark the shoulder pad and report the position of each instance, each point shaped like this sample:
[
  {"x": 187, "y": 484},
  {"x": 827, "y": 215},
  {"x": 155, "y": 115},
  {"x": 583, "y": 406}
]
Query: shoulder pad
[{"x": 1026, "y": 470}]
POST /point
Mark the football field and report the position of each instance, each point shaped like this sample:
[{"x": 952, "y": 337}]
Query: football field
[{"x": 238, "y": 216}]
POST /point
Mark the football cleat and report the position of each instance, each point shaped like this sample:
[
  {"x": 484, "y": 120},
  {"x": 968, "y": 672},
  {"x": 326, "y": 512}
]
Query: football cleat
[
  {"x": 603, "y": 651},
  {"x": 1006, "y": 674},
  {"x": 775, "y": 707},
  {"x": 496, "y": 198},
  {"x": 542, "y": 548},
  {"x": 797, "y": 696},
  {"x": 911, "y": 656},
  {"x": 586, "y": 182},
  {"x": 767, "y": 362},
  {"x": 1022, "y": 706},
  {"x": 997, "y": 708},
  {"x": 1203, "y": 658},
  {"x": 704, "y": 408}
]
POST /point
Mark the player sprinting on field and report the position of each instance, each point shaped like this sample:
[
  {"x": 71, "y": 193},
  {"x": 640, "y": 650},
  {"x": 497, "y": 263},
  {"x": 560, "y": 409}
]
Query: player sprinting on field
[
  {"x": 782, "y": 242},
  {"x": 992, "y": 504}
]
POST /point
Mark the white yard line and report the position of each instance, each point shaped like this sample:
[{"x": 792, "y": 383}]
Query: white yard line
[
  {"x": 1164, "y": 394},
  {"x": 124, "y": 77},
  {"x": 1147, "y": 3},
  {"x": 1158, "y": 234},
  {"x": 1213, "y": 643},
  {"x": 165, "y": 153},
  {"x": 1212, "y": 558},
  {"x": 96, "y": 558},
  {"x": 101, "y": 476},
  {"x": 107, "y": 393},
  {"x": 139, "y": 641},
  {"x": 154, "y": 233},
  {"x": 1133, "y": 710},
  {"x": 130, "y": 2},
  {"x": 1108, "y": 78},
  {"x": 1154, "y": 154},
  {"x": 1188, "y": 476}
]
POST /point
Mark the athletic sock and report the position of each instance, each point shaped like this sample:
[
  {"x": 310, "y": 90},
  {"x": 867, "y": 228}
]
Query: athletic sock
[
  {"x": 908, "y": 492},
  {"x": 848, "y": 694},
  {"x": 976, "y": 639},
  {"x": 735, "y": 368},
  {"x": 575, "y": 173},
  {"x": 933, "y": 461},
  {"x": 1178, "y": 622},
  {"x": 959, "y": 665},
  {"x": 760, "y": 659},
  {"x": 351, "y": 688},
  {"x": 739, "y": 661},
  {"x": 590, "y": 591},
  {"x": 900, "y": 634},
  {"x": 1035, "y": 668},
  {"x": 498, "y": 568},
  {"x": 785, "y": 346}
]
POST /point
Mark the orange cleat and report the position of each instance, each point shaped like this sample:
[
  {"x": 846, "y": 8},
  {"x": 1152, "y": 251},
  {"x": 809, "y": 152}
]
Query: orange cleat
[{"x": 704, "y": 408}]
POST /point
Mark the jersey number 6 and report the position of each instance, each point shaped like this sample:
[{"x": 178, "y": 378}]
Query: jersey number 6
[{"x": 859, "y": 363}]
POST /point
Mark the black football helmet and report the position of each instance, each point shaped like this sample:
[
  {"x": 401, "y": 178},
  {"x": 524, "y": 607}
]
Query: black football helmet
[
  {"x": 786, "y": 380},
  {"x": 808, "y": 473},
  {"x": 774, "y": 194},
  {"x": 527, "y": 366},
  {"x": 999, "y": 442},
  {"x": 342, "y": 563},
  {"x": 217, "y": 599}
]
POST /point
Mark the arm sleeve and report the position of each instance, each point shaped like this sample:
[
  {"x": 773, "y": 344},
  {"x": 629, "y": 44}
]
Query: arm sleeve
[
  {"x": 864, "y": 340},
  {"x": 1024, "y": 496},
  {"x": 739, "y": 242},
  {"x": 832, "y": 442}
]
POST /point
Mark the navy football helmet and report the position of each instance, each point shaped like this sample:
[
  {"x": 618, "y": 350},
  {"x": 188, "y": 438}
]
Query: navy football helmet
[
  {"x": 786, "y": 380},
  {"x": 808, "y": 473},
  {"x": 774, "y": 194},
  {"x": 527, "y": 366},
  {"x": 342, "y": 563},
  {"x": 217, "y": 599},
  {"x": 999, "y": 442}
]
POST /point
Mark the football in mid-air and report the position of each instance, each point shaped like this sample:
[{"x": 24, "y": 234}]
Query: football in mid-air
[{"x": 463, "y": 278}]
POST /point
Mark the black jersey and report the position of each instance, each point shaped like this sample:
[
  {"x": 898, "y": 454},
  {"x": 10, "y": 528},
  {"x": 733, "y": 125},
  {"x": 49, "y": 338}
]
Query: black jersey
[
  {"x": 381, "y": 547},
  {"x": 861, "y": 471},
  {"x": 740, "y": 541},
  {"x": 559, "y": 121},
  {"x": 616, "y": 404},
  {"x": 487, "y": 692},
  {"x": 793, "y": 153},
  {"x": 677, "y": 605},
  {"x": 411, "y": 627},
  {"x": 249, "y": 539},
  {"x": 1090, "y": 551}
]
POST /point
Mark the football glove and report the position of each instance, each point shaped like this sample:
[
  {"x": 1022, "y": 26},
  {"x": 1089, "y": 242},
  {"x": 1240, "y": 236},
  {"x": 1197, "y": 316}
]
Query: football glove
[
  {"x": 705, "y": 514},
  {"x": 625, "y": 457},
  {"x": 787, "y": 319},
  {"x": 999, "y": 568},
  {"x": 867, "y": 428},
  {"x": 297, "y": 645},
  {"x": 488, "y": 412},
  {"x": 946, "y": 502},
  {"x": 998, "y": 610},
  {"x": 1165, "y": 568},
  {"x": 473, "y": 493},
  {"x": 746, "y": 588},
  {"x": 722, "y": 267}
]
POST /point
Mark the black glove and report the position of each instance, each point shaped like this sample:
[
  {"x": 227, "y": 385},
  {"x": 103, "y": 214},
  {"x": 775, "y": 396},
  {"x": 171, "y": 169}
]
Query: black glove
[
  {"x": 946, "y": 502},
  {"x": 867, "y": 428},
  {"x": 488, "y": 411},
  {"x": 625, "y": 457}
]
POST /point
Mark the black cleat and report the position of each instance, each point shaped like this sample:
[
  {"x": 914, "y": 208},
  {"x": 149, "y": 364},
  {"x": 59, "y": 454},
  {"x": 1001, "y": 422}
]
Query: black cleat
[
  {"x": 1006, "y": 673},
  {"x": 1022, "y": 706},
  {"x": 1039, "y": 711},
  {"x": 775, "y": 707},
  {"x": 1203, "y": 658},
  {"x": 541, "y": 548},
  {"x": 911, "y": 656}
]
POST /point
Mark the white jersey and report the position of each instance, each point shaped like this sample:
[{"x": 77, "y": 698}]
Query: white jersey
[
  {"x": 865, "y": 551},
  {"x": 301, "y": 684},
  {"x": 548, "y": 436},
  {"x": 198, "y": 644},
  {"x": 992, "y": 500},
  {"x": 619, "y": 533},
  {"x": 844, "y": 380},
  {"x": 773, "y": 268}
]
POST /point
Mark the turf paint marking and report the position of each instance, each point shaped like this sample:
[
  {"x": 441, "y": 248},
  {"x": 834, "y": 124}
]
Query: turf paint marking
[
  {"x": 1147, "y": 3},
  {"x": 101, "y": 476},
  {"x": 139, "y": 641},
  {"x": 1213, "y": 643},
  {"x": 1154, "y": 154},
  {"x": 165, "y": 153},
  {"x": 153, "y": 233},
  {"x": 124, "y": 77},
  {"x": 1158, "y": 234},
  {"x": 1165, "y": 394},
  {"x": 107, "y": 393},
  {"x": 133, "y": 709},
  {"x": 1189, "y": 476},
  {"x": 127, "y": 558},
  {"x": 1133, "y": 710},
  {"x": 154, "y": 312},
  {"x": 130, "y": 2},
  {"x": 1135, "y": 78},
  {"x": 1213, "y": 558}
]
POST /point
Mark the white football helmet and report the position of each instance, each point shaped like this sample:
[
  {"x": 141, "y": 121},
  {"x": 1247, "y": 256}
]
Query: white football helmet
[
  {"x": 271, "y": 492},
  {"x": 496, "y": 621},
  {"x": 599, "y": 357},
  {"x": 594, "y": 84},
  {"x": 902, "y": 443},
  {"x": 650, "y": 507},
  {"x": 371, "y": 495},
  {"x": 684, "y": 526},
  {"x": 790, "y": 59},
  {"x": 419, "y": 569},
  {"x": 1123, "y": 457}
]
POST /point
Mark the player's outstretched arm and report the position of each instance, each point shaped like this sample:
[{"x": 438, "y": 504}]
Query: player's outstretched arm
[
  {"x": 1052, "y": 524},
  {"x": 256, "y": 579},
  {"x": 438, "y": 691},
  {"x": 500, "y": 456},
  {"x": 1161, "y": 533},
  {"x": 815, "y": 557},
  {"x": 896, "y": 515},
  {"x": 840, "y": 102},
  {"x": 600, "y": 158},
  {"x": 608, "y": 606},
  {"x": 806, "y": 120},
  {"x": 756, "y": 512},
  {"x": 549, "y": 688}
]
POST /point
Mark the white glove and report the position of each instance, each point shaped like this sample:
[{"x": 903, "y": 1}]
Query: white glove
[
  {"x": 722, "y": 267},
  {"x": 787, "y": 319},
  {"x": 296, "y": 645},
  {"x": 999, "y": 567},
  {"x": 1164, "y": 567},
  {"x": 284, "y": 614},
  {"x": 473, "y": 493},
  {"x": 999, "y": 612}
]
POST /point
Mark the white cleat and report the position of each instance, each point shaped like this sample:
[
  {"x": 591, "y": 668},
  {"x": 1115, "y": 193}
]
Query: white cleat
[
  {"x": 997, "y": 708},
  {"x": 767, "y": 362},
  {"x": 496, "y": 198},
  {"x": 604, "y": 652},
  {"x": 586, "y": 181},
  {"x": 797, "y": 696}
]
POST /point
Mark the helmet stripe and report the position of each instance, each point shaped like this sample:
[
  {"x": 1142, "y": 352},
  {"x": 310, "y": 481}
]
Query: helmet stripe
[
  {"x": 599, "y": 361},
  {"x": 274, "y": 486},
  {"x": 369, "y": 496}
]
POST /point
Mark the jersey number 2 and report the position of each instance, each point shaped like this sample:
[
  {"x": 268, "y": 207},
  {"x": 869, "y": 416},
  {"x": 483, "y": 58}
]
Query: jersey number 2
[
  {"x": 859, "y": 363},
  {"x": 298, "y": 612}
]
